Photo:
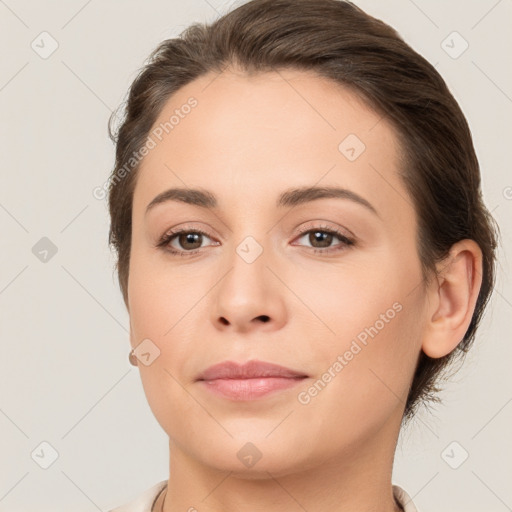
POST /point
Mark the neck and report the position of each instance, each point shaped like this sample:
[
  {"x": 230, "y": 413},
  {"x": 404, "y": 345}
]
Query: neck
[{"x": 355, "y": 480}]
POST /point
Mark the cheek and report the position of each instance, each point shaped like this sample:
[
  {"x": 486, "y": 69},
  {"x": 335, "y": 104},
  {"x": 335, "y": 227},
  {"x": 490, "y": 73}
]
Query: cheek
[
  {"x": 365, "y": 376},
  {"x": 371, "y": 331},
  {"x": 357, "y": 298},
  {"x": 158, "y": 300},
  {"x": 163, "y": 309},
  {"x": 158, "y": 309}
]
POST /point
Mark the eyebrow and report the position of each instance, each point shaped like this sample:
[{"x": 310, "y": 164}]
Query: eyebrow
[{"x": 289, "y": 198}]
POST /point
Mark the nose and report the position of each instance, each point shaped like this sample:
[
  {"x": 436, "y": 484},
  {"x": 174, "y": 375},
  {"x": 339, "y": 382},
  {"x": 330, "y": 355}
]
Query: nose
[{"x": 250, "y": 296}]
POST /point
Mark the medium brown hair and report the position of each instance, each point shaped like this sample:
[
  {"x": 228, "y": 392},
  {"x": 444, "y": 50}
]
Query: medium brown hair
[{"x": 337, "y": 40}]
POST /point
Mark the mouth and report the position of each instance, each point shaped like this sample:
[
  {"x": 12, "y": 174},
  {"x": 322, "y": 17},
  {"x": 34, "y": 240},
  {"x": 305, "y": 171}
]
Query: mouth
[{"x": 249, "y": 381}]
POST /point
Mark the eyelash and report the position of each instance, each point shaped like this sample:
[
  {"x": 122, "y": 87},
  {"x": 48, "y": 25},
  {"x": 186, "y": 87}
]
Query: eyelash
[{"x": 166, "y": 239}]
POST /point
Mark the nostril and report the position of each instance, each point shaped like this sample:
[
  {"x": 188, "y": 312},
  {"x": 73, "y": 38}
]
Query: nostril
[{"x": 264, "y": 318}]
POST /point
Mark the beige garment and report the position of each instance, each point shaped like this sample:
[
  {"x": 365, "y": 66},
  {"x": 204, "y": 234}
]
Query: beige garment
[{"x": 145, "y": 500}]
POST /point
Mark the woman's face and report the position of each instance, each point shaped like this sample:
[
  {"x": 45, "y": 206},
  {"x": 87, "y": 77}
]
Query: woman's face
[{"x": 327, "y": 286}]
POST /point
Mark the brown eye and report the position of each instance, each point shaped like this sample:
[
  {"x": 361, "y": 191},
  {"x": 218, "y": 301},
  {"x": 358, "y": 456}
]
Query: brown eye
[
  {"x": 184, "y": 241},
  {"x": 321, "y": 240},
  {"x": 190, "y": 240}
]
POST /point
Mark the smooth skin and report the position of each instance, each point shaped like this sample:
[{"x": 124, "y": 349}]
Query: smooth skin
[{"x": 249, "y": 139}]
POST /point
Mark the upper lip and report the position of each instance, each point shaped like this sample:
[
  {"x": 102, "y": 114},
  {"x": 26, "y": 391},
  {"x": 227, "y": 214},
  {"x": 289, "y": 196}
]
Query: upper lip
[{"x": 249, "y": 370}]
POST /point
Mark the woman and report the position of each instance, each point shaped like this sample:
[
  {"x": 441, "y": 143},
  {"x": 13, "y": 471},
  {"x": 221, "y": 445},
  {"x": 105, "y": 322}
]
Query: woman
[{"x": 302, "y": 249}]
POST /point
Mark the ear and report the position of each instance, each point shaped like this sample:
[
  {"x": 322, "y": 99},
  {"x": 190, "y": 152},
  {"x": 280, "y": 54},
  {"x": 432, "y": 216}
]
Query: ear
[{"x": 452, "y": 298}]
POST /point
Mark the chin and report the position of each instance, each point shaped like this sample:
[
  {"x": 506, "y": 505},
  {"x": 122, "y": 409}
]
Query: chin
[{"x": 252, "y": 460}]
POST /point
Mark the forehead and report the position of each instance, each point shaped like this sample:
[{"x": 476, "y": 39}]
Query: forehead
[{"x": 262, "y": 132}]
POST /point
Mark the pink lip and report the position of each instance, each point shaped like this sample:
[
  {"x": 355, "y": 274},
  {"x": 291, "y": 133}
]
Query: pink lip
[{"x": 248, "y": 381}]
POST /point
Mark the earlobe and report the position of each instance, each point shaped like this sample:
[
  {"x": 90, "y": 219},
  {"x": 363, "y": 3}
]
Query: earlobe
[{"x": 456, "y": 291}]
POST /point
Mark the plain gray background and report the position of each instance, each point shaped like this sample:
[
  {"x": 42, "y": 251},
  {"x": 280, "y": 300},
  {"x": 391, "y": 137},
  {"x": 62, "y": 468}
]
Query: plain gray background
[{"x": 65, "y": 379}]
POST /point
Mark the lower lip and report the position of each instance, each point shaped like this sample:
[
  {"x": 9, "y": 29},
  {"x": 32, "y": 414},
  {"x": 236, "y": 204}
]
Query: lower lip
[{"x": 249, "y": 389}]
